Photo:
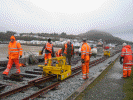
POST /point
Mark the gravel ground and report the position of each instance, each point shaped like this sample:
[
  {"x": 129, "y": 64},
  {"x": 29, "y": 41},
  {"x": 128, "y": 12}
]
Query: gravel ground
[
  {"x": 65, "y": 89},
  {"x": 110, "y": 87},
  {"x": 14, "y": 84}
]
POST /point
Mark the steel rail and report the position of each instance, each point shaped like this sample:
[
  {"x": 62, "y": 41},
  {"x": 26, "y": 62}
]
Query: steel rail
[
  {"x": 30, "y": 84},
  {"x": 44, "y": 79},
  {"x": 46, "y": 89}
]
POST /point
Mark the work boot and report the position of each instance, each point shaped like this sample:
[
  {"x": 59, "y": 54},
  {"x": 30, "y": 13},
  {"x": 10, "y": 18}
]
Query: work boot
[
  {"x": 4, "y": 75},
  {"x": 87, "y": 77},
  {"x": 18, "y": 71},
  {"x": 81, "y": 79}
]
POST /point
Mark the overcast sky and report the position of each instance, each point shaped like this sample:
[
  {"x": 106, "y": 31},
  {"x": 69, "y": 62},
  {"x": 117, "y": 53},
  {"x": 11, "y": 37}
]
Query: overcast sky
[{"x": 70, "y": 16}]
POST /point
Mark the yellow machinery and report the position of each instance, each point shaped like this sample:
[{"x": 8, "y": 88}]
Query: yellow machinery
[
  {"x": 107, "y": 53},
  {"x": 58, "y": 67}
]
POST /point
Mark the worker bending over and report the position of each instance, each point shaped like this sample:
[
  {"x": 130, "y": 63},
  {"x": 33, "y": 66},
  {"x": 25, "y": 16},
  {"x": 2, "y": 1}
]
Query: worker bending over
[
  {"x": 58, "y": 53},
  {"x": 126, "y": 55},
  {"x": 68, "y": 50},
  {"x": 85, "y": 59},
  {"x": 14, "y": 51},
  {"x": 49, "y": 51}
]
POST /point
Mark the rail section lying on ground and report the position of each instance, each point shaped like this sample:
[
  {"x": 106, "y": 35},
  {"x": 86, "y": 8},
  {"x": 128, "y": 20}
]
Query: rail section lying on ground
[{"x": 35, "y": 82}]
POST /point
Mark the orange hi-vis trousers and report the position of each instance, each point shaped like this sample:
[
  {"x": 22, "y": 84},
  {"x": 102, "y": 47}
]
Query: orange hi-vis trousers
[
  {"x": 47, "y": 56},
  {"x": 126, "y": 70},
  {"x": 85, "y": 70},
  {"x": 9, "y": 66}
]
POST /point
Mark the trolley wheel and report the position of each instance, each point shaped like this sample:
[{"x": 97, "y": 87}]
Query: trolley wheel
[
  {"x": 44, "y": 74},
  {"x": 59, "y": 78}
]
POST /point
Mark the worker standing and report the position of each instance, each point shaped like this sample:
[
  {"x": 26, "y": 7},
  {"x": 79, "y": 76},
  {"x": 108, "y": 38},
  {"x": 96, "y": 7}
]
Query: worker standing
[
  {"x": 126, "y": 56},
  {"x": 68, "y": 50},
  {"x": 58, "y": 53},
  {"x": 49, "y": 51},
  {"x": 85, "y": 59},
  {"x": 14, "y": 51}
]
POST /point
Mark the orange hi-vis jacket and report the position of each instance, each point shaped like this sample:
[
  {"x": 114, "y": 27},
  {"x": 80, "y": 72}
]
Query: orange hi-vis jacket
[
  {"x": 65, "y": 51},
  {"x": 85, "y": 51},
  {"x": 58, "y": 53},
  {"x": 127, "y": 54},
  {"x": 49, "y": 47},
  {"x": 14, "y": 49}
]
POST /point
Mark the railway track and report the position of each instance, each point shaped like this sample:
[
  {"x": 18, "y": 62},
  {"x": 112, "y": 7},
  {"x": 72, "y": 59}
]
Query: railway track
[{"x": 36, "y": 82}]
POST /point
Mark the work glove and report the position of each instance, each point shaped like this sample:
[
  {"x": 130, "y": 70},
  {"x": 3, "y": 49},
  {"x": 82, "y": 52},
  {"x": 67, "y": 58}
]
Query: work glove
[
  {"x": 20, "y": 56},
  {"x": 41, "y": 52},
  {"x": 62, "y": 54},
  {"x": 53, "y": 55},
  {"x": 121, "y": 60},
  {"x": 7, "y": 57},
  {"x": 82, "y": 60}
]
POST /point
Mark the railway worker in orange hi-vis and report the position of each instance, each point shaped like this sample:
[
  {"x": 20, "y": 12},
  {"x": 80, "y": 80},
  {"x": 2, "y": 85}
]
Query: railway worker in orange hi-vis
[
  {"x": 85, "y": 59},
  {"x": 58, "y": 53},
  {"x": 49, "y": 51},
  {"x": 126, "y": 59},
  {"x": 14, "y": 52}
]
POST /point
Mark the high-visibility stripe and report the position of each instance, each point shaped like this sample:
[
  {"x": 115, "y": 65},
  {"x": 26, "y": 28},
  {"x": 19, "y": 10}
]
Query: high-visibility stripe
[
  {"x": 128, "y": 69},
  {"x": 13, "y": 48},
  {"x": 14, "y": 51},
  {"x": 128, "y": 54},
  {"x": 128, "y": 63},
  {"x": 124, "y": 69},
  {"x": 87, "y": 52},
  {"x": 83, "y": 53}
]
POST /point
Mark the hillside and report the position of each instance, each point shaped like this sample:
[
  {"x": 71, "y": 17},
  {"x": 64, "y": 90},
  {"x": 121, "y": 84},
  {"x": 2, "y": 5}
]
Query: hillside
[{"x": 96, "y": 35}]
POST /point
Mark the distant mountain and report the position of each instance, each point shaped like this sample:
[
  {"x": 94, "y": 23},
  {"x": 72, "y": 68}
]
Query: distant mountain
[{"x": 105, "y": 36}]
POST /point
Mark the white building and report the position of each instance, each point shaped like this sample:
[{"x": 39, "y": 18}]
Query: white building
[{"x": 17, "y": 34}]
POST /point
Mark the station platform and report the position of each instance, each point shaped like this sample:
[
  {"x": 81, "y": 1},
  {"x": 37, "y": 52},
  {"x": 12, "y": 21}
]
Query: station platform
[{"x": 110, "y": 86}]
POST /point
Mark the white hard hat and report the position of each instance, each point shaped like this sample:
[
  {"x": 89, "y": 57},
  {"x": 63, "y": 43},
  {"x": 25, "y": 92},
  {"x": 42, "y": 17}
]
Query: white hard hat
[
  {"x": 68, "y": 40},
  {"x": 124, "y": 44}
]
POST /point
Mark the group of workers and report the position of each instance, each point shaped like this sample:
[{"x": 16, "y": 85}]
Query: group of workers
[
  {"x": 15, "y": 52},
  {"x": 67, "y": 50}
]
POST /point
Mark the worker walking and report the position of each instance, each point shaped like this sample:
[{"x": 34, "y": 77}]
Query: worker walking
[
  {"x": 126, "y": 56},
  {"x": 58, "y": 53},
  {"x": 68, "y": 50},
  {"x": 49, "y": 51},
  {"x": 85, "y": 59},
  {"x": 14, "y": 51}
]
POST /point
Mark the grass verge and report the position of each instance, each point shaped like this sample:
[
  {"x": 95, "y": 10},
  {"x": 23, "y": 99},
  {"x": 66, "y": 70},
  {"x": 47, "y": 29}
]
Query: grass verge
[
  {"x": 128, "y": 87},
  {"x": 99, "y": 78}
]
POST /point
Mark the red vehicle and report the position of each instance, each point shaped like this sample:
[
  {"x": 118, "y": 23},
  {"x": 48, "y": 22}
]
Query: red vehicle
[{"x": 106, "y": 47}]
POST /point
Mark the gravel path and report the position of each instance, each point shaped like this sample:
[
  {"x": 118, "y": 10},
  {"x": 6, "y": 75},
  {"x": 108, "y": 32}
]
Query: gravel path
[{"x": 110, "y": 87}]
